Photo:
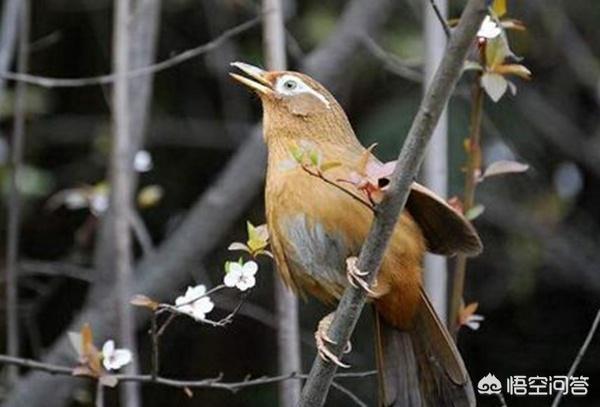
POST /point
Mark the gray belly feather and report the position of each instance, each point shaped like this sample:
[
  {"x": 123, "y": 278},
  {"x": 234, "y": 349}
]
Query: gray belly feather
[{"x": 319, "y": 253}]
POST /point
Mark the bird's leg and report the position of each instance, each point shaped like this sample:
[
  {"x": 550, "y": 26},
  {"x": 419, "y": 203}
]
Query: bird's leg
[
  {"x": 322, "y": 339},
  {"x": 355, "y": 276}
]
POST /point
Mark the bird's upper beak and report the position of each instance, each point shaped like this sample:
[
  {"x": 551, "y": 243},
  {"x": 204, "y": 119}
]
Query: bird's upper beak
[{"x": 256, "y": 80}]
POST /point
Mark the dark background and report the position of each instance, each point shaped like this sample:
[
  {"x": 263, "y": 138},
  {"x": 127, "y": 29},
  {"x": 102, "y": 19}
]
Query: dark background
[{"x": 538, "y": 281}]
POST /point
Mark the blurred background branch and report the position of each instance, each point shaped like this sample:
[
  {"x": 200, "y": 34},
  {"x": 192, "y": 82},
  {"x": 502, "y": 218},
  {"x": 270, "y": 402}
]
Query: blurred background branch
[{"x": 536, "y": 283}]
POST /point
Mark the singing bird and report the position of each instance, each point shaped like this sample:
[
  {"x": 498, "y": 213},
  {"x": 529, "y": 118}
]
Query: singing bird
[{"x": 317, "y": 229}]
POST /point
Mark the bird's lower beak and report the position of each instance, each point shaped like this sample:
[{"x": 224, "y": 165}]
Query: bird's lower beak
[{"x": 256, "y": 79}]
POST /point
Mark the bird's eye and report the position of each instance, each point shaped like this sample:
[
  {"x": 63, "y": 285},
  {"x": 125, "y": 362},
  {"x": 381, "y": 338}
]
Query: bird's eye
[{"x": 290, "y": 84}]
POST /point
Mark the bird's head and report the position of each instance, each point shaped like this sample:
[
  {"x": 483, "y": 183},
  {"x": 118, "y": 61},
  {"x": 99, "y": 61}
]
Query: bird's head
[{"x": 295, "y": 105}]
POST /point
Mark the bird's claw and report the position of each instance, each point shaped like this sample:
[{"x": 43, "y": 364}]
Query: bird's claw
[
  {"x": 322, "y": 339},
  {"x": 355, "y": 276}
]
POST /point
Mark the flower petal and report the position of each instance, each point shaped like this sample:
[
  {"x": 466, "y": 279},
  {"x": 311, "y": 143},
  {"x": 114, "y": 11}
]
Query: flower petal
[
  {"x": 122, "y": 357},
  {"x": 250, "y": 268},
  {"x": 235, "y": 267},
  {"x": 232, "y": 278},
  {"x": 108, "y": 348},
  {"x": 247, "y": 282}
]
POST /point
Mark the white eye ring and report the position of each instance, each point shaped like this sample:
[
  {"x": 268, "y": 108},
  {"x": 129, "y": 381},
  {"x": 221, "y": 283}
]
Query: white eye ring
[{"x": 290, "y": 84}]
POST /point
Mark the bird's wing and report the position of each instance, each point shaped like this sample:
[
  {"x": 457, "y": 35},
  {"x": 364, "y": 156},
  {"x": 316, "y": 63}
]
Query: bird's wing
[{"x": 446, "y": 230}]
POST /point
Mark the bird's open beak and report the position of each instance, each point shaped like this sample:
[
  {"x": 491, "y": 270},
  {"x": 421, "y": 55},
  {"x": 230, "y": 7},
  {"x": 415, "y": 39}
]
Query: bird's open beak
[{"x": 256, "y": 79}]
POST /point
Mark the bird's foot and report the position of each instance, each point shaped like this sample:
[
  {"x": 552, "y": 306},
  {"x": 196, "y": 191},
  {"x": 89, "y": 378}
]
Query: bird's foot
[
  {"x": 322, "y": 340},
  {"x": 355, "y": 276}
]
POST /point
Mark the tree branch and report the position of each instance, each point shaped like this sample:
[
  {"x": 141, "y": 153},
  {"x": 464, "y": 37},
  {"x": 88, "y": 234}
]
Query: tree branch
[
  {"x": 121, "y": 192},
  {"x": 14, "y": 197},
  {"x": 286, "y": 303},
  {"x": 212, "y": 382},
  {"x": 48, "y": 82},
  {"x": 409, "y": 159}
]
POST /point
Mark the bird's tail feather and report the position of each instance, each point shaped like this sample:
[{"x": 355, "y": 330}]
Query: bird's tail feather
[{"x": 421, "y": 367}]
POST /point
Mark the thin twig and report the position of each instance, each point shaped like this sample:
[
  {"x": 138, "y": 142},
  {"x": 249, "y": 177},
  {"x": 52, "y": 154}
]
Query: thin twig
[
  {"x": 155, "y": 345},
  {"x": 357, "y": 198},
  {"x": 214, "y": 382},
  {"x": 55, "y": 269},
  {"x": 440, "y": 17},
  {"x": 392, "y": 63},
  {"x": 473, "y": 167},
  {"x": 349, "y": 393},
  {"x": 580, "y": 354},
  {"x": 48, "y": 82},
  {"x": 141, "y": 232}
]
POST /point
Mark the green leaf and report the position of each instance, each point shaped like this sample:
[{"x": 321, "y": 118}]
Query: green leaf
[
  {"x": 330, "y": 165},
  {"x": 297, "y": 154},
  {"x": 474, "y": 212},
  {"x": 315, "y": 157},
  {"x": 496, "y": 51}
]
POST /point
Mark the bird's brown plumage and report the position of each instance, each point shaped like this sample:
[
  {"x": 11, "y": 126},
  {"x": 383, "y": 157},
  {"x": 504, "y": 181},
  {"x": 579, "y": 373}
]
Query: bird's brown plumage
[{"x": 314, "y": 226}]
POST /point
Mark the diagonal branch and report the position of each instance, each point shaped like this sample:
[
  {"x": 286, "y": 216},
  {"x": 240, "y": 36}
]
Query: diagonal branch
[
  {"x": 48, "y": 82},
  {"x": 580, "y": 355},
  {"x": 409, "y": 160}
]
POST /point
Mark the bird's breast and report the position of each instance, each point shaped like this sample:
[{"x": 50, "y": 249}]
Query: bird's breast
[{"x": 311, "y": 228}]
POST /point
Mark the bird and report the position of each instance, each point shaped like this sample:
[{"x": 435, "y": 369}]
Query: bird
[{"x": 317, "y": 225}]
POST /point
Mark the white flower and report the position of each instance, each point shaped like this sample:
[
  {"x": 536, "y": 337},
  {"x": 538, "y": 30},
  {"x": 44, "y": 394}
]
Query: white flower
[
  {"x": 99, "y": 202},
  {"x": 241, "y": 276},
  {"x": 474, "y": 321},
  {"x": 195, "y": 303},
  {"x": 142, "y": 162},
  {"x": 489, "y": 29},
  {"x": 114, "y": 359}
]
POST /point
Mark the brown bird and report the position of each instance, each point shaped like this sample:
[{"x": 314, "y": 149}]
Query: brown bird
[{"x": 316, "y": 228}]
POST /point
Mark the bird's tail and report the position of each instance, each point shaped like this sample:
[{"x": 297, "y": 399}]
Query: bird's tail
[{"x": 422, "y": 366}]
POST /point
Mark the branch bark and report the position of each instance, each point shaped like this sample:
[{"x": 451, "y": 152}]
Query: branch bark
[
  {"x": 410, "y": 157},
  {"x": 435, "y": 166},
  {"x": 286, "y": 303},
  {"x": 8, "y": 36},
  {"x": 14, "y": 198},
  {"x": 160, "y": 275},
  {"x": 121, "y": 184}
]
